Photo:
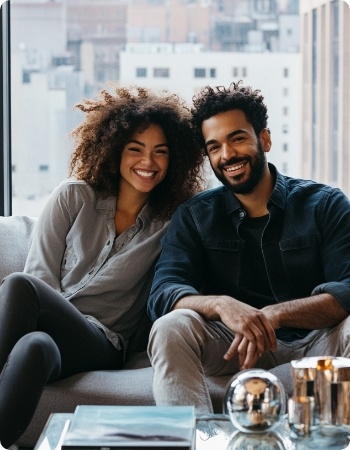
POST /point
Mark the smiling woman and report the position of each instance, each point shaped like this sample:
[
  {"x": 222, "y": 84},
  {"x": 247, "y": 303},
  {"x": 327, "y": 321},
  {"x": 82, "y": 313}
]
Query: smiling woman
[
  {"x": 134, "y": 121},
  {"x": 145, "y": 159},
  {"x": 89, "y": 269}
]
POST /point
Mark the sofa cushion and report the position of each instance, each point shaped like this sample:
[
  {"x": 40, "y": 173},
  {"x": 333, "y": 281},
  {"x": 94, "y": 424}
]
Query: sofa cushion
[
  {"x": 15, "y": 238},
  {"x": 130, "y": 386}
]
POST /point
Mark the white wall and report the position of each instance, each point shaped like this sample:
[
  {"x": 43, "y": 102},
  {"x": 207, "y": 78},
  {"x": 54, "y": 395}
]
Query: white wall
[{"x": 264, "y": 71}]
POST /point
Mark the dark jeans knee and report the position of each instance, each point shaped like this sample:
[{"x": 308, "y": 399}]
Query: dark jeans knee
[
  {"x": 33, "y": 361},
  {"x": 14, "y": 286},
  {"x": 38, "y": 349}
]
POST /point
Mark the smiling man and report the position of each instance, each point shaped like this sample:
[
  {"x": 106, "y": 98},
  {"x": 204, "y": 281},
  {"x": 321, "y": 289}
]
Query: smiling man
[{"x": 254, "y": 273}]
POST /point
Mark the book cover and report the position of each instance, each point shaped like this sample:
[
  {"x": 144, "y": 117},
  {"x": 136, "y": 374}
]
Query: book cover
[{"x": 130, "y": 427}]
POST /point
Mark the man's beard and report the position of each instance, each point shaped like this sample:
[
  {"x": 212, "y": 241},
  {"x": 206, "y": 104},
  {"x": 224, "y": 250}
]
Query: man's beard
[{"x": 257, "y": 167}]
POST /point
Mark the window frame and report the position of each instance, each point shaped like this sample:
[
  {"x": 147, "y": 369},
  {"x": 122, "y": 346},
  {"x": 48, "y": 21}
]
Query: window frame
[{"x": 5, "y": 123}]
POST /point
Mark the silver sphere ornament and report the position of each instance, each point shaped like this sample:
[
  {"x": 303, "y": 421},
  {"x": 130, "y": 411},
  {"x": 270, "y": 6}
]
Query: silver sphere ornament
[
  {"x": 256, "y": 441},
  {"x": 255, "y": 400}
]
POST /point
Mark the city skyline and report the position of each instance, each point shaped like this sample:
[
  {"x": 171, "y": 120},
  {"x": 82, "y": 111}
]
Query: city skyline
[{"x": 82, "y": 51}]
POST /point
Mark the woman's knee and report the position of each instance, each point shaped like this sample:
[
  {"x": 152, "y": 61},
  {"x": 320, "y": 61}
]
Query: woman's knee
[
  {"x": 14, "y": 286},
  {"x": 15, "y": 278},
  {"x": 38, "y": 348}
]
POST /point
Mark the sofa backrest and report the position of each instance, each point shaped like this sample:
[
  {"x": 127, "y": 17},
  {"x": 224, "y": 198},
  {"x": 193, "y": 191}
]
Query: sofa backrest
[{"x": 15, "y": 238}]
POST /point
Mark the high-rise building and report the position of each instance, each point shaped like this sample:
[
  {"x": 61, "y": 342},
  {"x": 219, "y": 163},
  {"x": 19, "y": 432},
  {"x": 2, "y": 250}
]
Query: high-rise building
[
  {"x": 173, "y": 22},
  {"x": 325, "y": 47},
  {"x": 96, "y": 34},
  {"x": 186, "y": 68}
]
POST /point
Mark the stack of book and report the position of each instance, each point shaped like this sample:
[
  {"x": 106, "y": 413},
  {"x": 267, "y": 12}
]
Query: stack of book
[{"x": 129, "y": 427}]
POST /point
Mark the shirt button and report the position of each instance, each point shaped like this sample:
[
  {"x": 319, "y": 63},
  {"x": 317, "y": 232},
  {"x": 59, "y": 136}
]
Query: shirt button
[{"x": 242, "y": 214}]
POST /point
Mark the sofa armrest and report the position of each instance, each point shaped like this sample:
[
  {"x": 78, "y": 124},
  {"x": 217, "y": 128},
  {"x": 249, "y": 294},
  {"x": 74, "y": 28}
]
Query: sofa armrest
[{"x": 15, "y": 239}]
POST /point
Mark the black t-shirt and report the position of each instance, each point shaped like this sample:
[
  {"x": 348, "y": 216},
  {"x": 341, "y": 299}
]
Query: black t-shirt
[{"x": 255, "y": 288}]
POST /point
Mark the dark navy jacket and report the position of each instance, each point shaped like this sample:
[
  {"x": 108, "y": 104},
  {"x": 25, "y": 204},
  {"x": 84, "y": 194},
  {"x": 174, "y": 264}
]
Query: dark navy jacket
[{"x": 305, "y": 245}]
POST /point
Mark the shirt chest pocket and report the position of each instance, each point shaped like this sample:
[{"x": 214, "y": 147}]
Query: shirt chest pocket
[
  {"x": 302, "y": 261},
  {"x": 222, "y": 258}
]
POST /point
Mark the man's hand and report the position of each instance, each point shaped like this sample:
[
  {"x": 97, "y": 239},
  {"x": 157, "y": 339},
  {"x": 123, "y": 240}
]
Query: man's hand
[
  {"x": 253, "y": 332},
  {"x": 248, "y": 353}
]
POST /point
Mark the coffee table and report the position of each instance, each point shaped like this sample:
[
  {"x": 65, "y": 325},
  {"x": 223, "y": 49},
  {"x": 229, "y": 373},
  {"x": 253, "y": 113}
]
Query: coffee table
[{"x": 213, "y": 432}]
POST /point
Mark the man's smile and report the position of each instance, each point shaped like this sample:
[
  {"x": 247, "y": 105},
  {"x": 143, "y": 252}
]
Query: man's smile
[{"x": 234, "y": 168}]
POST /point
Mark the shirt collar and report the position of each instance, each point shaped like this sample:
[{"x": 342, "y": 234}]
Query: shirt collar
[
  {"x": 278, "y": 195},
  {"x": 106, "y": 206}
]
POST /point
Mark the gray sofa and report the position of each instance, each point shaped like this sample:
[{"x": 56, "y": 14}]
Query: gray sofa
[{"x": 131, "y": 386}]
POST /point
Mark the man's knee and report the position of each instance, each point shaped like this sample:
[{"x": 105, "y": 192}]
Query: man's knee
[
  {"x": 177, "y": 331},
  {"x": 344, "y": 338},
  {"x": 174, "y": 323}
]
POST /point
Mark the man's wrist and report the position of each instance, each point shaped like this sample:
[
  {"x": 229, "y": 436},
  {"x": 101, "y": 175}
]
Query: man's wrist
[{"x": 271, "y": 313}]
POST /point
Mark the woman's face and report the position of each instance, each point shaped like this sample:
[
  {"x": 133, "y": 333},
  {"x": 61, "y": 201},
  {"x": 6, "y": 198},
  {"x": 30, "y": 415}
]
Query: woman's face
[{"x": 144, "y": 159}]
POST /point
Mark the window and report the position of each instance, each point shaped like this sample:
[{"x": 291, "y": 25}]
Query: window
[
  {"x": 240, "y": 72},
  {"x": 141, "y": 72},
  {"x": 199, "y": 73},
  {"x": 5, "y": 105},
  {"x": 26, "y": 77},
  {"x": 284, "y": 169},
  {"x": 161, "y": 72},
  {"x": 85, "y": 44}
]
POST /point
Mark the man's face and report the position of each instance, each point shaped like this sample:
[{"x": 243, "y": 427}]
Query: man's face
[{"x": 236, "y": 154}]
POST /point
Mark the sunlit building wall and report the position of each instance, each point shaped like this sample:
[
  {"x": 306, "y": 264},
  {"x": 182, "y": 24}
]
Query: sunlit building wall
[
  {"x": 325, "y": 48},
  {"x": 186, "y": 69},
  {"x": 175, "y": 21}
]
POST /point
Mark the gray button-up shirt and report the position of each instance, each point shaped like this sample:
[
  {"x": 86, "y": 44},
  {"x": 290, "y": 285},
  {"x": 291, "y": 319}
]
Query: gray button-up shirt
[{"x": 75, "y": 250}]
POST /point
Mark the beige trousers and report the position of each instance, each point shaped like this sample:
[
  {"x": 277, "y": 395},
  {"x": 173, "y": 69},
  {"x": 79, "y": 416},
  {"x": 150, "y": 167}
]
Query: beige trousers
[{"x": 184, "y": 348}]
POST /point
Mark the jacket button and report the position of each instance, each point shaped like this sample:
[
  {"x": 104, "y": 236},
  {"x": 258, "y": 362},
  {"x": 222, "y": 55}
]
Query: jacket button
[{"x": 242, "y": 214}]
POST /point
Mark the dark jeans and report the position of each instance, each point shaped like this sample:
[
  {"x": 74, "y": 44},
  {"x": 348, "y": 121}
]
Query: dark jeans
[{"x": 43, "y": 338}]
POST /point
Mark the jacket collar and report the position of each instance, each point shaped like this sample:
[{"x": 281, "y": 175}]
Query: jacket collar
[{"x": 278, "y": 195}]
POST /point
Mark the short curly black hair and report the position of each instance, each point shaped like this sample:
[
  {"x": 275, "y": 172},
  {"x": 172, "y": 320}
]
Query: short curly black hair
[
  {"x": 110, "y": 122},
  {"x": 214, "y": 100}
]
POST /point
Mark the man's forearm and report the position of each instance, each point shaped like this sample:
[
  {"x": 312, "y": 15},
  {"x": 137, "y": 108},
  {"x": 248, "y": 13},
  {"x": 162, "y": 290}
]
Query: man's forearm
[
  {"x": 315, "y": 312},
  {"x": 205, "y": 305}
]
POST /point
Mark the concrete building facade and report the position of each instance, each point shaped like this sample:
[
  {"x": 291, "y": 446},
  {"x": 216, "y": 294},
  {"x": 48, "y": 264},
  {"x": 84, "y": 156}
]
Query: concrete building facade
[
  {"x": 325, "y": 37},
  {"x": 186, "y": 69}
]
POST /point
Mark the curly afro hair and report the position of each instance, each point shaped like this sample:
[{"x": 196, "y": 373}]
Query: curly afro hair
[
  {"x": 109, "y": 123},
  {"x": 211, "y": 101}
]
